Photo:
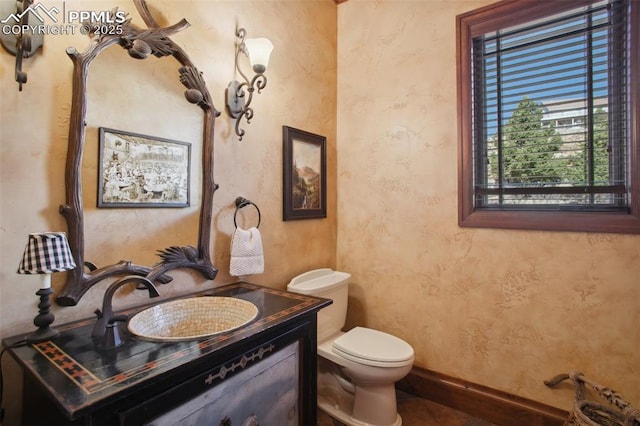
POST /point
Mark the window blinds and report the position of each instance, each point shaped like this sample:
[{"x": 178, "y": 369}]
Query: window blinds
[{"x": 550, "y": 112}]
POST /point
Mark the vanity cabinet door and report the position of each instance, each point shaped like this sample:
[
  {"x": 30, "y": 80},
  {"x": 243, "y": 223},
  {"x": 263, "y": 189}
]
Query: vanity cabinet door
[{"x": 264, "y": 394}]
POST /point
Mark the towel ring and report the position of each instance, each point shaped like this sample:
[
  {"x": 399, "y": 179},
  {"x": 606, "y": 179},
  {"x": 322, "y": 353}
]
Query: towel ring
[{"x": 243, "y": 202}]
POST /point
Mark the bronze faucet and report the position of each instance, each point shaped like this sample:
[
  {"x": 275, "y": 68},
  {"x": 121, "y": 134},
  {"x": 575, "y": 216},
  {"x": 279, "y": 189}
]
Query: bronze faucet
[{"x": 106, "y": 327}]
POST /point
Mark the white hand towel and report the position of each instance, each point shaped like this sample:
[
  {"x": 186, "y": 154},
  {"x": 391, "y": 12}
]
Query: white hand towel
[{"x": 247, "y": 257}]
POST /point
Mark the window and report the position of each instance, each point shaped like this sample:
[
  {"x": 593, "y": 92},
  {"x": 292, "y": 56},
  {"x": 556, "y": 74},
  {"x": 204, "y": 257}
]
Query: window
[{"x": 548, "y": 116}]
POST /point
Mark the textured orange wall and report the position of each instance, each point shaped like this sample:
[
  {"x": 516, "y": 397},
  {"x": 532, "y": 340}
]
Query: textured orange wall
[
  {"x": 146, "y": 97},
  {"x": 505, "y": 309}
]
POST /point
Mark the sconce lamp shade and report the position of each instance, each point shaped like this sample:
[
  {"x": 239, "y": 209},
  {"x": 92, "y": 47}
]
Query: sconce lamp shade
[
  {"x": 46, "y": 253},
  {"x": 259, "y": 50}
]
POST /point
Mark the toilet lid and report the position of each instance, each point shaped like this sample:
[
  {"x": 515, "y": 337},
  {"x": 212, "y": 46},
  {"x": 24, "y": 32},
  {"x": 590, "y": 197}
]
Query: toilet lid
[{"x": 373, "y": 347}]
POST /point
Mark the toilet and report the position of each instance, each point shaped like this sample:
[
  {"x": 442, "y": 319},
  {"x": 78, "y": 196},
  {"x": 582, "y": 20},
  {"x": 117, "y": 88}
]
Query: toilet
[{"x": 357, "y": 369}]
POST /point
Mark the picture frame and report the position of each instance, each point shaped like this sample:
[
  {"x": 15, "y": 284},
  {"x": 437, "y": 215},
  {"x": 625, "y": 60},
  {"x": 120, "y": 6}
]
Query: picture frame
[
  {"x": 304, "y": 175},
  {"x": 137, "y": 171}
]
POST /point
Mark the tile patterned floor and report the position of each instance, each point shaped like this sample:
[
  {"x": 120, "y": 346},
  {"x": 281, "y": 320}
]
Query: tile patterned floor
[{"x": 421, "y": 412}]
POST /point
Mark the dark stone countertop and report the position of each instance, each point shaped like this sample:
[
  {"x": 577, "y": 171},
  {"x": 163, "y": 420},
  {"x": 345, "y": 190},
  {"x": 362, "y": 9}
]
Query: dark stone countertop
[{"x": 80, "y": 377}]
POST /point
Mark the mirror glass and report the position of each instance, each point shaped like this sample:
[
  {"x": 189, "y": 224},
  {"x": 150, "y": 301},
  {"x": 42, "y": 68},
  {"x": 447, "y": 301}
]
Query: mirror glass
[{"x": 142, "y": 97}]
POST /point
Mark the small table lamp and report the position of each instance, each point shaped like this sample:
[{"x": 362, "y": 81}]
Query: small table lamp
[{"x": 44, "y": 254}]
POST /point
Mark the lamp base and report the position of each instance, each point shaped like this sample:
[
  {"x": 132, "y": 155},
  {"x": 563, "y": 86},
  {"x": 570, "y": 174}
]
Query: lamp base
[
  {"x": 43, "y": 319},
  {"x": 42, "y": 334}
]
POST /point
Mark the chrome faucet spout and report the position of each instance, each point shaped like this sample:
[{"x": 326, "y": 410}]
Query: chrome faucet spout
[{"x": 106, "y": 320}]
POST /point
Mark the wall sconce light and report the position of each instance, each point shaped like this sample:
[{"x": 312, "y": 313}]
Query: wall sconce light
[
  {"x": 44, "y": 254},
  {"x": 240, "y": 94},
  {"x": 25, "y": 42}
]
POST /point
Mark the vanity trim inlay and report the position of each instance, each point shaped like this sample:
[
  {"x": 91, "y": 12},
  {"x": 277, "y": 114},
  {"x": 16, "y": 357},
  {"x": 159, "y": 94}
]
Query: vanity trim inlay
[{"x": 69, "y": 366}]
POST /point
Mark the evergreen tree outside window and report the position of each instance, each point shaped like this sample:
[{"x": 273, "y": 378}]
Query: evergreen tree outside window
[{"x": 548, "y": 120}]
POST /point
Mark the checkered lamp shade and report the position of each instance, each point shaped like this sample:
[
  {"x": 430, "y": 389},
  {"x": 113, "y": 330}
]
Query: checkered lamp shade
[{"x": 46, "y": 253}]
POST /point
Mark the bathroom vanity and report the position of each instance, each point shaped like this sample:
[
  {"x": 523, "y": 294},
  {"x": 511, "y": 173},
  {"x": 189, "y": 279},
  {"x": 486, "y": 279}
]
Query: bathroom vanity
[{"x": 263, "y": 372}]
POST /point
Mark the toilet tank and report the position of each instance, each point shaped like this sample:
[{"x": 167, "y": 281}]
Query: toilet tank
[{"x": 328, "y": 284}]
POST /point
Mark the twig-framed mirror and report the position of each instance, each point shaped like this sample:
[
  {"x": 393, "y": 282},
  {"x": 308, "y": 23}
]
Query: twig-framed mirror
[{"x": 154, "y": 40}]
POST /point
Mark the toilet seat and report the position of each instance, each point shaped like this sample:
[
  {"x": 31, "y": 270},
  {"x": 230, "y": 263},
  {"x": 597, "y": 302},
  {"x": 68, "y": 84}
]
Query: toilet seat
[{"x": 372, "y": 347}]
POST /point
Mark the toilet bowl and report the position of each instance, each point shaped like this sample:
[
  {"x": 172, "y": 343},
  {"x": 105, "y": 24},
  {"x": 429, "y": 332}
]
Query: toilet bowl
[
  {"x": 371, "y": 362},
  {"x": 357, "y": 369}
]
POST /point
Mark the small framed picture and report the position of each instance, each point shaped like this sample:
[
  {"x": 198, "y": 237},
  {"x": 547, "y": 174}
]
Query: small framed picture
[
  {"x": 142, "y": 171},
  {"x": 304, "y": 175}
]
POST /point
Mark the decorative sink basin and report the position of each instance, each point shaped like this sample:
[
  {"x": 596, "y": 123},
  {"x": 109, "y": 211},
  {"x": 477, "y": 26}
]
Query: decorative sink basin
[{"x": 192, "y": 318}]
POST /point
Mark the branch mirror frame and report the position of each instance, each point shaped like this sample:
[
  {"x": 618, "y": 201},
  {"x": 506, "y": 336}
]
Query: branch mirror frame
[{"x": 140, "y": 43}]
